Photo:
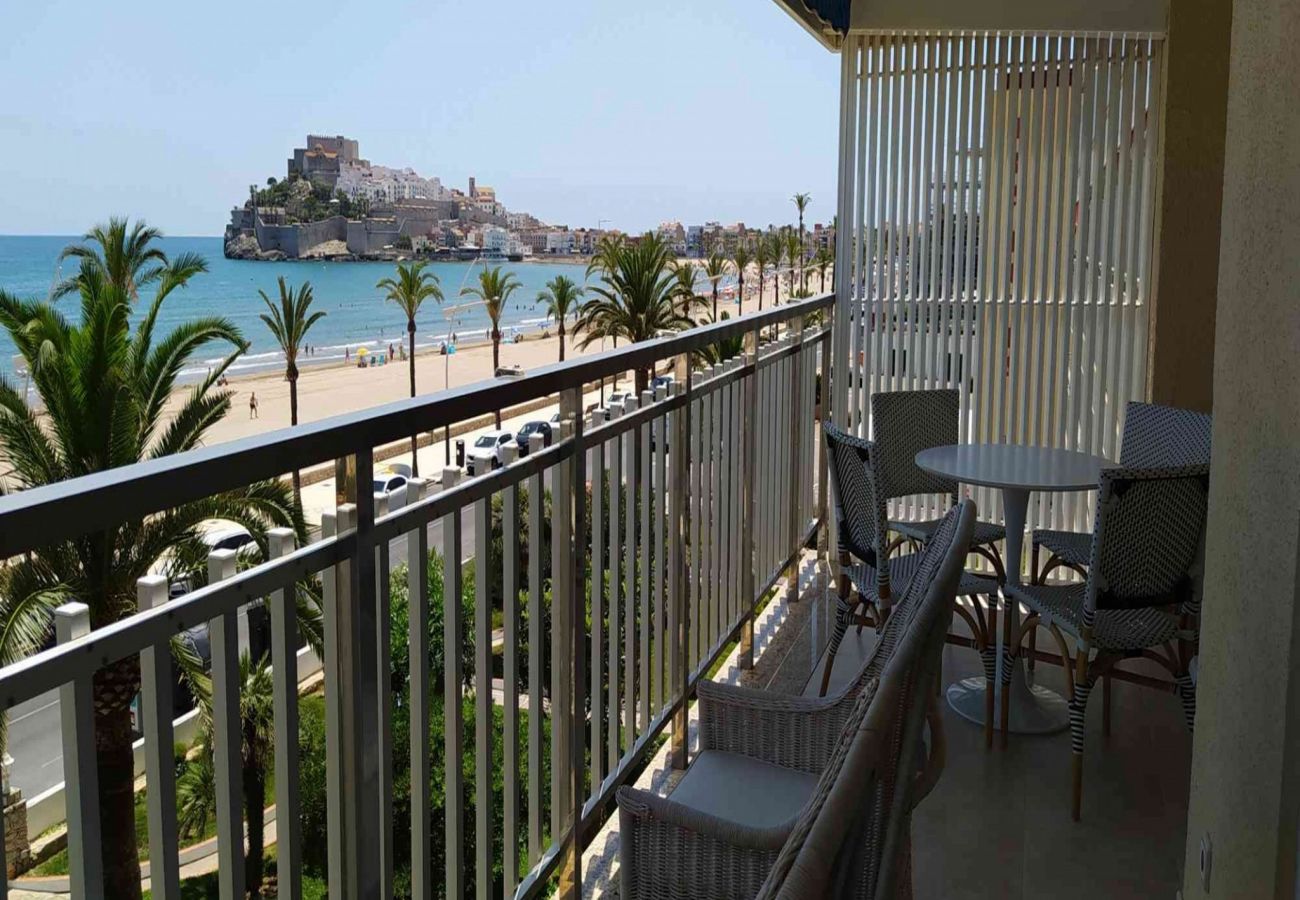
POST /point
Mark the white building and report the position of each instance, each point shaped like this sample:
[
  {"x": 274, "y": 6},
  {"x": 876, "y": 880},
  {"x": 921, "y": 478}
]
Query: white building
[
  {"x": 559, "y": 242},
  {"x": 495, "y": 239}
]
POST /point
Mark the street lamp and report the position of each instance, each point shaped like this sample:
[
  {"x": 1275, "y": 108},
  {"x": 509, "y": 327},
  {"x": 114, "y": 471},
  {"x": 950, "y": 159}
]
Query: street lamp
[{"x": 450, "y": 313}]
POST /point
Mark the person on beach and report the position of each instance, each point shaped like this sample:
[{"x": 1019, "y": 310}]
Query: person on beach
[{"x": 252, "y": 404}]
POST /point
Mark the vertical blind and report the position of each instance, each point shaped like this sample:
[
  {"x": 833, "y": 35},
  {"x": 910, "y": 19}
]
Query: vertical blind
[{"x": 1000, "y": 190}]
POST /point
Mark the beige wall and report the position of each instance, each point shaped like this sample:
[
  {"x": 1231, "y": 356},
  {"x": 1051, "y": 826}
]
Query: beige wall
[
  {"x": 1246, "y": 752},
  {"x": 1187, "y": 255}
]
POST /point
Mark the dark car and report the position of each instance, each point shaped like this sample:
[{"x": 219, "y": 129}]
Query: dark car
[{"x": 531, "y": 428}]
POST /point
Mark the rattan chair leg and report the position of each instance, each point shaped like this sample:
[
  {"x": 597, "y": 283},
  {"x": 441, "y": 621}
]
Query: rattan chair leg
[
  {"x": 1009, "y": 650},
  {"x": 990, "y": 655}
]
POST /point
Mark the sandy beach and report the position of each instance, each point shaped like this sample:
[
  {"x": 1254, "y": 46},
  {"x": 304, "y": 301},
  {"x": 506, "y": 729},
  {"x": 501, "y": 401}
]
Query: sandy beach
[{"x": 325, "y": 391}]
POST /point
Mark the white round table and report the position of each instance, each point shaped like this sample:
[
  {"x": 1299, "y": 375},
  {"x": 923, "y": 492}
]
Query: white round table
[{"x": 1017, "y": 471}]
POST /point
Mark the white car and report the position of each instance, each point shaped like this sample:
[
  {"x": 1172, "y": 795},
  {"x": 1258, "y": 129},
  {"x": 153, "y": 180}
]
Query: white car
[
  {"x": 485, "y": 455},
  {"x": 392, "y": 485}
]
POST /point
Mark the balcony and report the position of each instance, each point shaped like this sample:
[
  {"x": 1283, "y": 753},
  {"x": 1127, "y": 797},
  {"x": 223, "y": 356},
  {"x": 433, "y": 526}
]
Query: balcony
[{"x": 606, "y": 580}]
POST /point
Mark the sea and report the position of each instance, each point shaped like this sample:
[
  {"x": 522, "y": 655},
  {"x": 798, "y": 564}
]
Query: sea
[{"x": 356, "y": 315}]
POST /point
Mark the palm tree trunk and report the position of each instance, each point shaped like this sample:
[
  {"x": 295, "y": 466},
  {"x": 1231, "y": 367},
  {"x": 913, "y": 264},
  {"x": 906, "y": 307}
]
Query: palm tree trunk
[
  {"x": 115, "y": 765},
  {"x": 715, "y": 301},
  {"x": 254, "y": 806},
  {"x": 410, "y": 335},
  {"x": 561, "y": 341},
  {"x": 496, "y": 364},
  {"x": 293, "y": 420}
]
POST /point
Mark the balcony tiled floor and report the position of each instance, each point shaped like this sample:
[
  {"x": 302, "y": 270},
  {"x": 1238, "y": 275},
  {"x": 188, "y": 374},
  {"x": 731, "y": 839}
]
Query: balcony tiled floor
[{"x": 998, "y": 824}]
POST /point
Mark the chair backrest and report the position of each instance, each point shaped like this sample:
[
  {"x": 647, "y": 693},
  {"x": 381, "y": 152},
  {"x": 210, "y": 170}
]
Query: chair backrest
[
  {"x": 852, "y": 839},
  {"x": 903, "y": 423},
  {"x": 1146, "y": 544},
  {"x": 860, "y": 514},
  {"x": 1156, "y": 436}
]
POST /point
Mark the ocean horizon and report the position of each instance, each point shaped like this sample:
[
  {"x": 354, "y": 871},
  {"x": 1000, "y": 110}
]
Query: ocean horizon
[{"x": 356, "y": 315}]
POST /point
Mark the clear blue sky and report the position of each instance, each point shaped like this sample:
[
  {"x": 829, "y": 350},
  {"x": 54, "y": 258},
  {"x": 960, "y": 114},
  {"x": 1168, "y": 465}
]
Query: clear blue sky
[{"x": 599, "y": 109}]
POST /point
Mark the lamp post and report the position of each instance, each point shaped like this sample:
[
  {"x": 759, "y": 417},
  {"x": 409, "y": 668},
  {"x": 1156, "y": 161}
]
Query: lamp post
[{"x": 450, "y": 313}]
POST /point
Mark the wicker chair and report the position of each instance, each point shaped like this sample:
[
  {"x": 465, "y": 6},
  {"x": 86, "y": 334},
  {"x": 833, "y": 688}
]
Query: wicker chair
[
  {"x": 1154, "y": 436},
  {"x": 904, "y": 423},
  {"x": 863, "y": 531},
  {"x": 1140, "y": 594},
  {"x": 770, "y": 766}
]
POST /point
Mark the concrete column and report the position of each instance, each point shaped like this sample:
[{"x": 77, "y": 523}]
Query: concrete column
[
  {"x": 1245, "y": 794},
  {"x": 1190, "y": 201}
]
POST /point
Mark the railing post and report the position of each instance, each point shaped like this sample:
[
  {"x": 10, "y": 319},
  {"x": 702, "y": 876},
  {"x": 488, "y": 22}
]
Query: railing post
[
  {"x": 819, "y": 447},
  {"x": 453, "y": 708},
  {"x": 748, "y": 552},
  {"x": 573, "y": 540},
  {"x": 483, "y": 798},
  {"x": 384, "y": 703},
  {"x": 227, "y": 737},
  {"x": 334, "y": 586},
  {"x": 159, "y": 765},
  {"x": 417, "y": 597},
  {"x": 796, "y": 458},
  {"x": 80, "y": 766},
  {"x": 680, "y": 625},
  {"x": 284, "y": 670},
  {"x": 358, "y": 667}
]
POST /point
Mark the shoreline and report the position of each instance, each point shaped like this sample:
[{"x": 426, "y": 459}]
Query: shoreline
[{"x": 333, "y": 387}]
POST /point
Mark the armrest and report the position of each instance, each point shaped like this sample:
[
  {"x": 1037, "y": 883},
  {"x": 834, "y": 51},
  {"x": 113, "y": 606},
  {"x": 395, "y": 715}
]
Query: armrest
[
  {"x": 785, "y": 730},
  {"x": 667, "y": 849}
]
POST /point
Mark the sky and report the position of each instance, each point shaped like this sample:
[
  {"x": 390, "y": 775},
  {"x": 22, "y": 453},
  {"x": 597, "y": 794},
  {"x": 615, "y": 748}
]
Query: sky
[{"x": 594, "y": 112}]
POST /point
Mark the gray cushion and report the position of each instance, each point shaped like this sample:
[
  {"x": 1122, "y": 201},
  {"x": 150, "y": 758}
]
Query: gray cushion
[{"x": 743, "y": 789}]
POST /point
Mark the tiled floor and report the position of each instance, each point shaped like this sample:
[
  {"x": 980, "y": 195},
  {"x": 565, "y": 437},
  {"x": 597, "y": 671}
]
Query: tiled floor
[{"x": 998, "y": 823}]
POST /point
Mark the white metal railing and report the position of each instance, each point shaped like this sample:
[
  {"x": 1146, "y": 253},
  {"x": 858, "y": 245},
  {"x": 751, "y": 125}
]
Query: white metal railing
[{"x": 700, "y": 499}]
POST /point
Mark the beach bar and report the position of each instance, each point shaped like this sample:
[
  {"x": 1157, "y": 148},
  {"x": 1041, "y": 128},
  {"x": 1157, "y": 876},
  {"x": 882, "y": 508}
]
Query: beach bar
[{"x": 976, "y": 576}]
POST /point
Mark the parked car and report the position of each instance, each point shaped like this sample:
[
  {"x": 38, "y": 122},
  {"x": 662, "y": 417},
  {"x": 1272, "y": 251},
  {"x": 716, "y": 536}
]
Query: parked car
[
  {"x": 391, "y": 484},
  {"x": 226, "y": 536},
  {"x": 485, "y": 454},
  {"x": 530, "y": 428}
]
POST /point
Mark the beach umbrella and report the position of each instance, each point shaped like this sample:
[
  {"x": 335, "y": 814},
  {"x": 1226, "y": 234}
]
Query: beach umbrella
[{"x": 362, "y": 352}]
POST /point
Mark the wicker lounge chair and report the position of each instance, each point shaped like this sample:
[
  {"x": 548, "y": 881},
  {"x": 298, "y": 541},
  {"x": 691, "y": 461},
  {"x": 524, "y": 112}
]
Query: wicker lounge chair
[{"x": 770, "y": 766}]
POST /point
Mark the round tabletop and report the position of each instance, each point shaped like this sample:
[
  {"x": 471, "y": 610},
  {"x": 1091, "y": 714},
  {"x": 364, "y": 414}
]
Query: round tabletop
[{"x": 1014, "y": 466}]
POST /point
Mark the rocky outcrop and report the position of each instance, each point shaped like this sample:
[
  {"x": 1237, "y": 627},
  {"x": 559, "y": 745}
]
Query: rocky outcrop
[{"x": 244, "y": 246}]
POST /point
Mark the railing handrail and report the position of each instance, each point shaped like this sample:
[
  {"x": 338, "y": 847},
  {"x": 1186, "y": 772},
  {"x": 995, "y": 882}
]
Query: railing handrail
[{"x": 38, "y": 516}]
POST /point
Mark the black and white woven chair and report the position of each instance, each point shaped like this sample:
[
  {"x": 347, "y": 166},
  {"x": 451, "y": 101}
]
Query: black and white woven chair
[
  {"x": 1154, "y": 436},
  {"x": 1140, "y": 595},
  {"x": 903, "y": 423},
  {"x": 867, "y": 587}
]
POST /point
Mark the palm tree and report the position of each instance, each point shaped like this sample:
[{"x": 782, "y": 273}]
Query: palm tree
[
  {"x": 776, "y": 249},
  {"x": 637, "y": 298},
  {"x": 801, "y": 202},
  {"x": 762, "y": 257},
  {"x": 715, "y": 267},
  {"x": 196, "y": 795},
  {"x": 562, "y": 299},
  {"x": 741, "y": 259},
  {"x": 793, "y": 253},
  {"x": 126, "y": 258},
  {"x": 289, "y": 323},
  {"x": 722, "y": 350},
  {"x": 494, "y": 289},
  {"x": 686, "y": 273},
  {"x": 105, "y": 386},
  {"x": 411, "y": 288},
  {"x": 822, "y": 261}
]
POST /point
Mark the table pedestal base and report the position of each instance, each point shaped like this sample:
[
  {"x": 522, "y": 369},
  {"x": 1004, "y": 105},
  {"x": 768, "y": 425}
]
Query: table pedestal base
[{"x": 1034, "y": 709}]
